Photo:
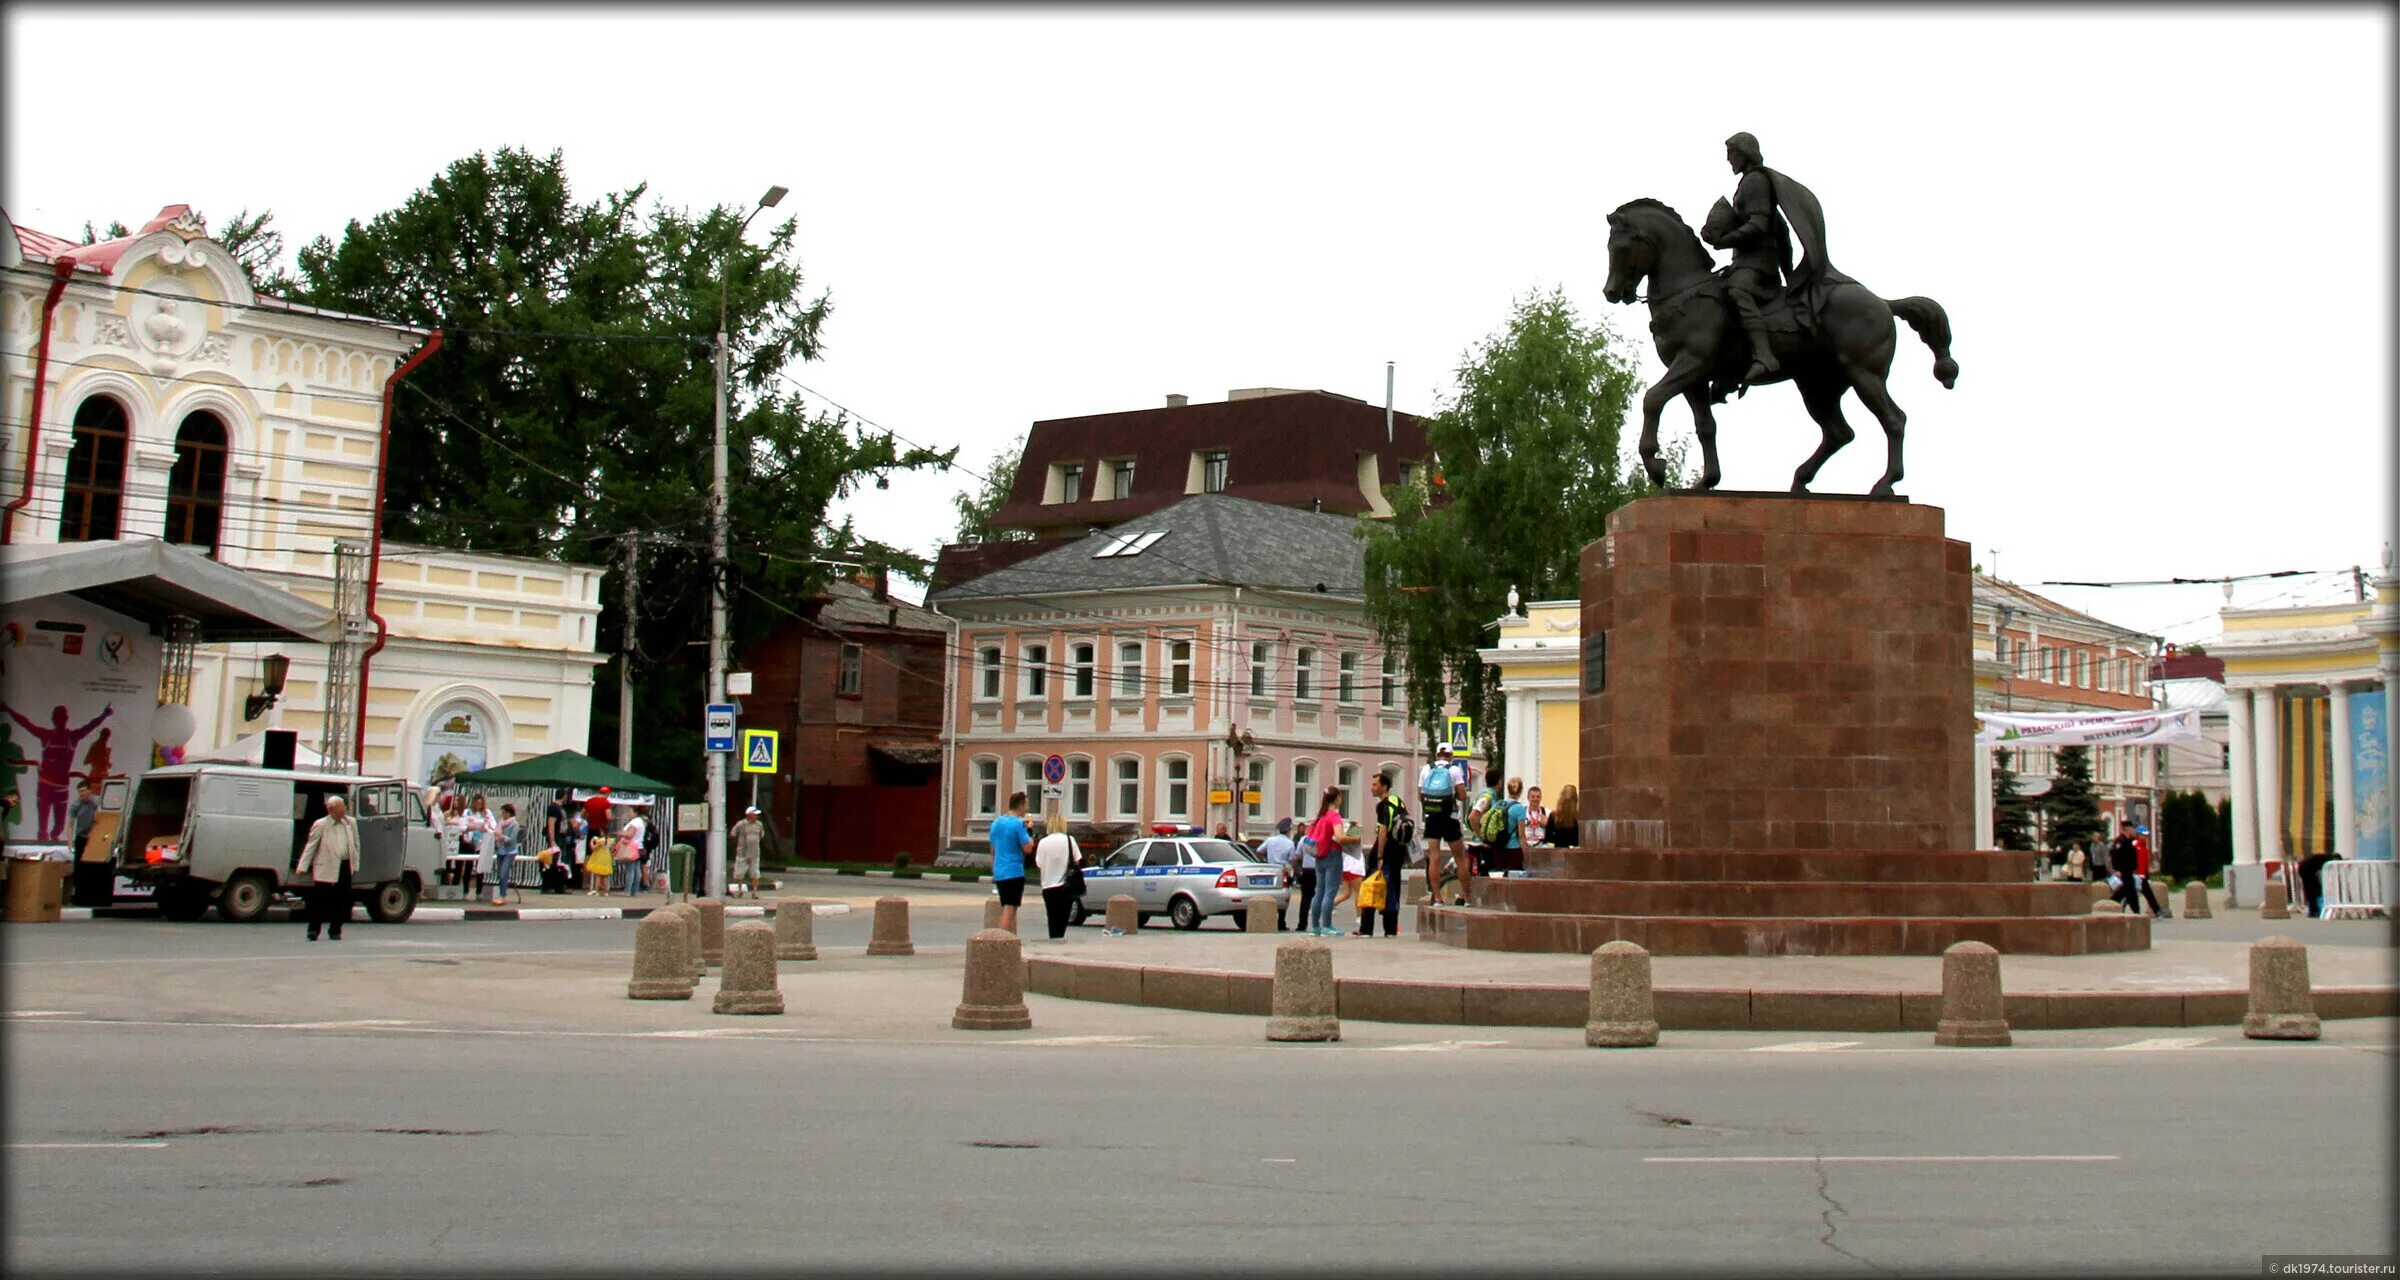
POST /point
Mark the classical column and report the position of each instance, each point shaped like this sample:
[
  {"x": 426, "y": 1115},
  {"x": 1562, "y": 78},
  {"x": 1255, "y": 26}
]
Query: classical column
[
  {"x": 2266, "y": 753},
  {"x": 1984, "y": 838},
  {"x": 1514, "y": 740},
  {"x": 2345, "y": 798},
  {"x": 2241, "y": 760}
]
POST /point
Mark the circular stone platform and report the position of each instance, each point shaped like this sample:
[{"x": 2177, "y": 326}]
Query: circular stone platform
[{"x": 2176, "y": 983}]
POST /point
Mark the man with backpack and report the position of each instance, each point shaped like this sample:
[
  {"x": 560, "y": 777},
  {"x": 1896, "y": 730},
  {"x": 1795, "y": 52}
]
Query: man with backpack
[
  {"x": 1387, "y": 856},
  {"x": 1488, "y": 821},
  {"x": 1438, "y": 788}
]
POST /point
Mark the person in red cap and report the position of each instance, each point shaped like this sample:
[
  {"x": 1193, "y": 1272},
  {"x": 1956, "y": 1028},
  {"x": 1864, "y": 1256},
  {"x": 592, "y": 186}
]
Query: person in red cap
[{"x": 595, "y": 810}]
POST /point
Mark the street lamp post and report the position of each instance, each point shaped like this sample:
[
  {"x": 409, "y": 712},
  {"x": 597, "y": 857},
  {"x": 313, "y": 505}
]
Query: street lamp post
[{"x": 718, "y": 458}]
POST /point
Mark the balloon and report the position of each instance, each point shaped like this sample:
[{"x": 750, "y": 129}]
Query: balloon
[{"x": 172, "y": 724}]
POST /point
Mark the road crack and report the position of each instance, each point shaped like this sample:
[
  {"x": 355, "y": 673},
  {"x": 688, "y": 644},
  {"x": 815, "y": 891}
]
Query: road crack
[{"x": 1832, "y": 1207}]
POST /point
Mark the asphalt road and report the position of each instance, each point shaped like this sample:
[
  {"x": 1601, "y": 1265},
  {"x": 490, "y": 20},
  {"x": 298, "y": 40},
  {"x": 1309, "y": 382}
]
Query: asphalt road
[{"x": 453, "y": 1097}]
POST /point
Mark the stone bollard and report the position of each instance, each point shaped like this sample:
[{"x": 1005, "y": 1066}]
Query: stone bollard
[
  {"x": 2195, "y": 900},
  {"x": 994, "y": 999},
  {"x": 2277, "y": 904},
  {"x": 1124, "y": 915},
  {"x": 1622, "y": 1014},
  {"x": 1972, "y": 1013},
  {"x": 991, "y": 915},
  {"x": 795, "y": 930},
  {"x": 1260, "y": 916},
  {"x": 2281, "y": 1004},
  {"x": 2099, "y": 889},
  {"x": 662, "y": 968},
  {"x": 712, "y": 930},
  {"x": 689, "y": 920},
  {"x": 2107, "y": 907},
  {"x": 1302, "y": 1006},
  {"x": 891, "y": 928},
  {"x": 747, "y": 983}
]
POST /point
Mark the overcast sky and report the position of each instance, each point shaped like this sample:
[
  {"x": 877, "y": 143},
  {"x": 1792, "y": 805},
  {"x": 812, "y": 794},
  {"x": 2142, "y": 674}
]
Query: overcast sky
[{"x": 2162, "y": 237}]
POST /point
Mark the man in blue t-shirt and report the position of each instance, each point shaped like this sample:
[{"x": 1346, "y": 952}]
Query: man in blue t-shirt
[{"x": 1010, "y": 842}]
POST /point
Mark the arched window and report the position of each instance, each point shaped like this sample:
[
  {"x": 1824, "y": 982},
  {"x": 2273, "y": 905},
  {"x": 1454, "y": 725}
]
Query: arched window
[
  {"x": 196, "y": 487},
  {"x": 985, "y": 802},
  {"x": 94, "y": 497}
]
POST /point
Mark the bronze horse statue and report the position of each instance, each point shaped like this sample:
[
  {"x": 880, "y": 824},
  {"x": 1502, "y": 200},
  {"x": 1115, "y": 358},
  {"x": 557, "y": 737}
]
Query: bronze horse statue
[{"x": 1848, "y": 347}]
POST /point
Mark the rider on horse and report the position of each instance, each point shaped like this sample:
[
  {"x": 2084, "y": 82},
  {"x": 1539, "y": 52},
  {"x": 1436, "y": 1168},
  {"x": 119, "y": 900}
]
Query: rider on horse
[{"x": 1763, "y": 201}]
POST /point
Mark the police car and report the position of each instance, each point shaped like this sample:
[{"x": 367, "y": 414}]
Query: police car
[{"x": 1187, "y": 878}]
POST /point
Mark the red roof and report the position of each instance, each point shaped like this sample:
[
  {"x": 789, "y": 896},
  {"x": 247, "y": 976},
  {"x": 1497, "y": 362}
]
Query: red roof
[
  {"x": 1293, "y": 449},
  {"x": 41, "y": 246}
]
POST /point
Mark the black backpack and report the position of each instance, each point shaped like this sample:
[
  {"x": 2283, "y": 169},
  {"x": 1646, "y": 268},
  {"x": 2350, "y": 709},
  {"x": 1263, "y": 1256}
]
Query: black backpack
[{"x": 1401, "y": 828}]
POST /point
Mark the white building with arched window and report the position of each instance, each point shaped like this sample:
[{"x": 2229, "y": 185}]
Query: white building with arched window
[{"x": 171, "y": 401}]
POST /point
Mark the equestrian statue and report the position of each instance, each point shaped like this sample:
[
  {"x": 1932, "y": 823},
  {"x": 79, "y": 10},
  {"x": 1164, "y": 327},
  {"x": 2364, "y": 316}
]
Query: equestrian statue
[{"x": 1764, "y": 318}]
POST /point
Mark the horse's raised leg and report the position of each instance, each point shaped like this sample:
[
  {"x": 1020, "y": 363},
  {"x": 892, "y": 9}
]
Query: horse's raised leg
[
  {"x": 1683, "y": 374},
  {"x": 1823, "y": 396},
  {"x": 1878, "y": 398},
  {"x": 1704, "y": 424}
]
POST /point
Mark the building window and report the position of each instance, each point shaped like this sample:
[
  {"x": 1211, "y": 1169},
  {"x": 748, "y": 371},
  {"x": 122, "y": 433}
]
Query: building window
[
  {"x": 1065, "y": 483},
  {"x": 1036, "y": 671},
  {"x": 987, "y": 672},
  {"x": 1304, "y": 675},
  {"x": 1262, "y": 662},
  {"x": 1408, "y": 474},
  {"x": 1079, "y": 787},
  {"x": 1179, "y": 787},
  {"x": 1029, "y": 781},
  {"x": 1209, "y": 468},
  {"x": 94, "y": 498},
  {"x": 1304, "y": 789},
  {"x": 1120, "y": 478},
  {"x": 1126, "y": 771},
  {"x": 1346, "y": 681},
  {"x": 1179, "y": 668},
  {"x": 1354, "y": 797},
  {"x": 987, "y": 786},
  {"x": 196, "y": 487},
  {"x": 1129, "y": 669},
  {"x": 853, "y": 657},
  {"x": 1258, "y": 772},
  {"x": 2000, "y": 649},
  {"x": 1083, "y": 657},
  {"x": 1391, "y": 679},
  {"x": 2083, "y": 671}
]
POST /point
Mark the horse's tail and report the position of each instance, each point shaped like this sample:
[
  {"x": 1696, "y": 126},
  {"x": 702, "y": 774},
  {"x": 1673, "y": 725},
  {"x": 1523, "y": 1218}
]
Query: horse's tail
[{"x": 1933, "y": 325}]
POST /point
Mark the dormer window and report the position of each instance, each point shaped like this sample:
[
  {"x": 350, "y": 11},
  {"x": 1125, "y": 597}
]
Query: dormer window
[
  {"x": 1208, "y": 471},
  {"x": 1065, "y": 484},
  {"x": 1120, "y": 478}
]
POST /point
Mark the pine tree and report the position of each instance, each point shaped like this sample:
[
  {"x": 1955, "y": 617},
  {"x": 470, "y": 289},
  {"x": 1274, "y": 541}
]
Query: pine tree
[
  {"x": 2012, "y": 812},
  {"x": 2073, "y": 811}
]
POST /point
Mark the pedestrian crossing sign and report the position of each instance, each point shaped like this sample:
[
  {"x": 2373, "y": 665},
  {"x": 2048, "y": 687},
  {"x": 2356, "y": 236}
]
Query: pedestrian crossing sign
[
  {"x": 758, "y": 750},
  {"x": 1461, "y": 736}
]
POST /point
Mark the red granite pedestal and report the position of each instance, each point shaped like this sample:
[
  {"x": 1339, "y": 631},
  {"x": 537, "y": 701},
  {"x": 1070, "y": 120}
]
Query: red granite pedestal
[{"x": 1778, "y": 749}]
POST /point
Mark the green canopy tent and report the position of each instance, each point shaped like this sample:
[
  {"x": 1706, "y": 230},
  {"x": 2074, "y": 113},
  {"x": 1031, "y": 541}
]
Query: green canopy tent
[
  {"x": 566, "y": 769},
  {"x": 530, "y": 783}
]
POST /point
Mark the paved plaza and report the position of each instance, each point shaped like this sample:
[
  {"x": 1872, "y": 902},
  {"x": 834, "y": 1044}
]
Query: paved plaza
[{"x": 450, "y": 1091}]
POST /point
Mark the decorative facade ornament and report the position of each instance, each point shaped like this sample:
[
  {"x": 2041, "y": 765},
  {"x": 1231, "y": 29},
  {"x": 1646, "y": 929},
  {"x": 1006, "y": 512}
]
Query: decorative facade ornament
[
  {"x": 215, "y": 349},
  {"x": 110, "y": 332},
  {"x": 190, "y": 225}
]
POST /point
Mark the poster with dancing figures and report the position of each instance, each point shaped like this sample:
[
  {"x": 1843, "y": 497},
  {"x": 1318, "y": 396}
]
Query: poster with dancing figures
[{"x": 78, "y": 686}]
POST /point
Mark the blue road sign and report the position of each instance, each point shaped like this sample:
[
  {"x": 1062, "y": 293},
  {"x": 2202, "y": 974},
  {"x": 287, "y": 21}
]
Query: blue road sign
[
  {"x": 719, "y": 728},
  {"x": 758, "y": 750}
]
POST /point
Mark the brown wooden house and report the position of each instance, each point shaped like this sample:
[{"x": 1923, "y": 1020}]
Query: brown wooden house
[{"x": 855, "y": 687}]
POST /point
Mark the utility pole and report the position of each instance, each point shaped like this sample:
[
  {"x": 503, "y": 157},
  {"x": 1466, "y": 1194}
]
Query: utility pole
[
  {"x": 632, "y": 541},
  {"x": 718, "y": 569}
]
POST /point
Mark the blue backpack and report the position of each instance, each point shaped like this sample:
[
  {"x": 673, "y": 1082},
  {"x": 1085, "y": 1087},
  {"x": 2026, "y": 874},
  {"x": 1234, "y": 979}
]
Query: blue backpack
[{"x": 1442, "y": 783}]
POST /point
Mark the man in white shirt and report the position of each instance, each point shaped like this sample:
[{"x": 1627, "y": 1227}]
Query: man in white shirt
[{"x": 1282, "y": 851}]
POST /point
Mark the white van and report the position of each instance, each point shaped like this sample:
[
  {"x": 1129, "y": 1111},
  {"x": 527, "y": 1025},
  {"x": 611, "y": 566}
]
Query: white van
[{"x": 228, "y": 836}]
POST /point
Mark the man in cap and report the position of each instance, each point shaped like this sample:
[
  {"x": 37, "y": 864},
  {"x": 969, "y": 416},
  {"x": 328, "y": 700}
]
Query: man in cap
[
  {"x": 1439, "y": 785},
  {"x": 749, "y": 838}
]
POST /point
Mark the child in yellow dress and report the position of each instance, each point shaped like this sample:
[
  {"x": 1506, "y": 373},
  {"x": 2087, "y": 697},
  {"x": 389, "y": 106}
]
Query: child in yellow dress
[{"x": 596, "y": 868}]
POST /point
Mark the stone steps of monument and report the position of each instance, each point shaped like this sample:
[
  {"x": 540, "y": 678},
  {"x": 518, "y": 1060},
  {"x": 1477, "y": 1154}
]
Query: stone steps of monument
[
  {"x": 1746, "y": 898},
  {"x": 1946, "y": 866},
  {"x": 1485, "y": 929}
]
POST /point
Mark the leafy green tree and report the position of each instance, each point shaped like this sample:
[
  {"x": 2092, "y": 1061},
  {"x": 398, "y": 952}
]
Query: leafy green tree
[
  {"x": 572, "y": 402},
  {"x": 2070, "y": 805},
  {"x": 257, "y": 247},
  {"x": 976, "y": 508},
  {"x": 1526, "y": 467},
  {"x": 2195, "y": 838},
  {"x": 116, "y": 231},
  {"x": 2012, "y": 812}
]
